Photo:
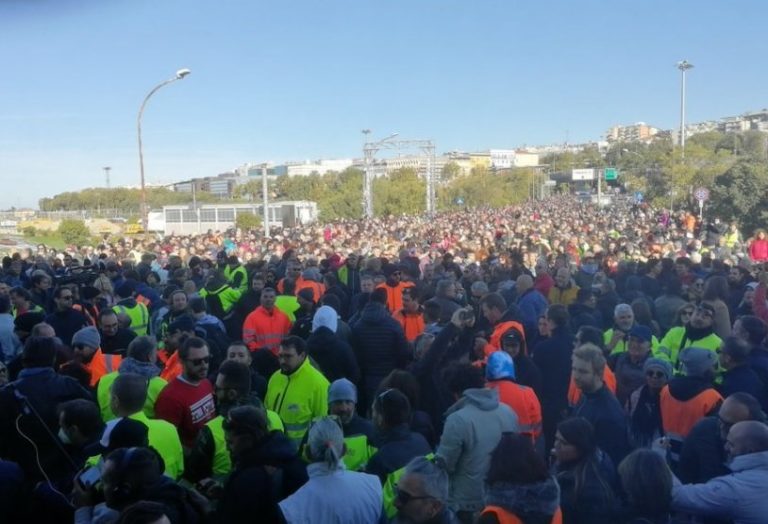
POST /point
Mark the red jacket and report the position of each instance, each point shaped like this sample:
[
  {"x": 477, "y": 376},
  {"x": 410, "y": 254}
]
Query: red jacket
[{"x": 758, "y": 250}]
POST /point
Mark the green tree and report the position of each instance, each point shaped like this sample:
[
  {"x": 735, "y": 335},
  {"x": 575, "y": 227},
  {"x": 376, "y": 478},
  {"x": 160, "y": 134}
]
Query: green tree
[
  {"x": 247, "y": 221},
  {"x": 74, "y": 231},
  {"x": 450, "y": 171},
  {"x": 739, "y": 194},
  {"x": 401, "y": 192}
]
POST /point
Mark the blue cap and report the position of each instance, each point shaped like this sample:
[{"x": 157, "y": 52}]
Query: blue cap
[
  {"x": 642, "y": 332},
  {"x": 500, "y": 365}
]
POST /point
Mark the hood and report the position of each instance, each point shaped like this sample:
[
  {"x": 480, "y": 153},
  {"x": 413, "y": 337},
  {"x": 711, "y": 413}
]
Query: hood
[
  {"x": 326, "y": 317},
  {"x": 483, "y": 399},
  {"x": 321, "y": 342},
  {"x": 685, "y": 388},
  {"x": 145, "y": 369},
  {"x": 525, "y": 500},
  {"x": 374, "y": 312},
  {"x": 275, "y": 449}
]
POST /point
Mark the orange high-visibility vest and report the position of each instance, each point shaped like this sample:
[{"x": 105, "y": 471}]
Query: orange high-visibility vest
[
  {"x": 507, "y": 517},
  {"x": 678, "y": 416},
  {"x": 395, "y": 295},
  {"x": 102, "y": 364},
  {"x": 172, "y": 365},
  {"x": 263, "y": 328},
  {"x": 523, "y": 402},
  {"x": 413, "y": 324}
]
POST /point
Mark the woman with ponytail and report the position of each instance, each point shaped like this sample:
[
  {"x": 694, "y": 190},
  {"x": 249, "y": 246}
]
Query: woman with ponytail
[{"x": 332, "y": 494}]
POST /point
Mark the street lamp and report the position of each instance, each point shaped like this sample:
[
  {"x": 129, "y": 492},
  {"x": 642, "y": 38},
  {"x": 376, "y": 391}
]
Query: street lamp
[
  {"x": 180, "y": 74},
  {"x": 683, "y": 66}
]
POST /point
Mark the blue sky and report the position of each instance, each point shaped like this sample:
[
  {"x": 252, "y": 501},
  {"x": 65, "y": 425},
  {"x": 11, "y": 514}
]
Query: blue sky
[{"x": 296, "y": 80}]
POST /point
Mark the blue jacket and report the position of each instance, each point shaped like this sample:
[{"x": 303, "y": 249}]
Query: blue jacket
[{"x": 396, "y": 448}]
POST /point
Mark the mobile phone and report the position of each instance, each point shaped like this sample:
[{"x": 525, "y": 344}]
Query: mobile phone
[{"x": 90, "y": 477}]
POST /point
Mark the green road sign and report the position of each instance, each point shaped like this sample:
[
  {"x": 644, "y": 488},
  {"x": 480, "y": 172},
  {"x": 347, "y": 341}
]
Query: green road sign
[{"x": 611, "y": 173}]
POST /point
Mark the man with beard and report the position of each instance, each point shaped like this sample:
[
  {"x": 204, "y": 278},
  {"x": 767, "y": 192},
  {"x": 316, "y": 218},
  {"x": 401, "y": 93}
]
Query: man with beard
[
  {"x": 87, "y": 353},
  {"x": 617, "y": 338},
  {"x": 297, "y": 391},
  {"x": 699, "y": 332},
  {"x": 358, "y": 431},
  {"x": 209, "y": 457}
]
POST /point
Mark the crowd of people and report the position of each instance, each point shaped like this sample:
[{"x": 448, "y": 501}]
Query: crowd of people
[{"x": 545, "y": 363}]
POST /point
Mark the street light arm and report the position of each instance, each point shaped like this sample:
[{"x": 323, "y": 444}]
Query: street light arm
[{"x": 179, "y": 76}]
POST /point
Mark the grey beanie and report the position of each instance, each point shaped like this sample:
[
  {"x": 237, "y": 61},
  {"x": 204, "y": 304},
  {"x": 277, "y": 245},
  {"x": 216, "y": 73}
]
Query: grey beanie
[
  {"x": 342, "y": 389},
  {"x": 697, "y": 361},
  {"x": 88, "y": 336}
]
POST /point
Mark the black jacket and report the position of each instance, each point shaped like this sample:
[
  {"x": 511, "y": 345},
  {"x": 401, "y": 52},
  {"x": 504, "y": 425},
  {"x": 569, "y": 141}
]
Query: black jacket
[
  {"x": 527, "y": 373},
  {"x": 263, "y": 477},
  {"x": 449, "y": 345},
  {"x": 66, "y": 324},
  {"x": 703, "y": 454},
  {"x": 744, "y": 379},
  {"x": 379, "y": 344},
  {"x": 44, "y": 389},
  {"x": 595, "y": 502},
  {"x": 553, "y": 358},
  {"x": 333, "y": 356},
  {"x": 606, "y": 415},
  {"x": 396, "y": 448},
  {"x": 583, "y": 315},
  {"x": 117, "y": 344}
]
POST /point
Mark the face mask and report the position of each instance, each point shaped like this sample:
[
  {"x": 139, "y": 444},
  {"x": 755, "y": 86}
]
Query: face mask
[{"x": 63, "y": 437}]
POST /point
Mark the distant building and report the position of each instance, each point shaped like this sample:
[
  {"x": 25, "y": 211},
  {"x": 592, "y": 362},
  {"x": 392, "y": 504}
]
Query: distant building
[
  {"x": 638, "y": 132},
  {"x": 186, "y": 220}
]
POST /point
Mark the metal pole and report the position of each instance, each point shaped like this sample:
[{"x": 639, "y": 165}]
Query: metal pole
[
  {"x": 683, "y": 66},
  {"x": 179, "y": 75},
  {"x": 106, "y": 173},
  {"x": 367, "y": 198},
  {"x": 265, "y": 195}
]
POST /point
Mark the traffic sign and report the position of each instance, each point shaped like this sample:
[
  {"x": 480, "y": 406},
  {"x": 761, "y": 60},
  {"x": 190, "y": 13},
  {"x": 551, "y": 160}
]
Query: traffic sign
[
  {"x": 611, "y": 173},
  {"x": 701, "y": 194},
  {"x": 583, "y": 174}
]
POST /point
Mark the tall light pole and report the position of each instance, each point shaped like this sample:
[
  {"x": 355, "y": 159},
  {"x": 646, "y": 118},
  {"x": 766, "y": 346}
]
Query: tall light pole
[
  {"x": 107, "y": 169},
  {"x": 683, "y": 66},
  {"x": 180, "y": 74},
  {"x": 366, "y": 176},
  {"x": 265, "y": 196}
]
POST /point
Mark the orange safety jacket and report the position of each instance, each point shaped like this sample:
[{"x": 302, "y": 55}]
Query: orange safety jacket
[
  {"x": 318, "y": 288},
  {"x": 264, "y": 328},
  {"x": 171, "y": 365},
  {"x": 102, "y": 364},
  {"x": 507, "y": 517},
  {"x": 679, "y": 416},
  {"x": 523, "y": 402},
  {"x": 574, "y": 393},
  {"x": 494, "y": 344},
  {"x": 395, "y": 295},
  {"x": 413, "y": 323}
]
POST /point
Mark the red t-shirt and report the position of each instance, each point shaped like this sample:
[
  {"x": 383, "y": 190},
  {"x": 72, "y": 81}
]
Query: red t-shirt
[{"x": 186, "y": 406}]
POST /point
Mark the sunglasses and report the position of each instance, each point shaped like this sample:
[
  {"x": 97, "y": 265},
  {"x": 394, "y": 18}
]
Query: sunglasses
[
  {"x": 404, "y": 497},
  {"x": 655, "y": 374},
  {"x": 199, "y": 361}
]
